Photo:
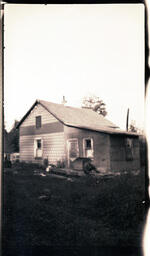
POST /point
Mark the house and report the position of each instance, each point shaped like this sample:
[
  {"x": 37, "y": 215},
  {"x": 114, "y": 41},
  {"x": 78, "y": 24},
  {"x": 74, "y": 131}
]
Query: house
[{"x": 64, "y": 134}]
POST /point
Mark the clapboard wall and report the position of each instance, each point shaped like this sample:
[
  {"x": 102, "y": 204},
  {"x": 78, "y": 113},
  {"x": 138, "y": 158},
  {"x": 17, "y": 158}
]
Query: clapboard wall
[
  {"x": 51, "y": 133},
  {"x": 101, "y": 145},
  {"x": 118, "y": 153},
  {"x": 38, "y": 110}
]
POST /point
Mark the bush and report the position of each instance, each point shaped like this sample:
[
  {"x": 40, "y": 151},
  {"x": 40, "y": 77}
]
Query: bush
[
  {"x": 7, "y": 163},
  {"x": 60, "y": 164},
  {"x": 88, "y": 167},
  {"x": 45, "y": 162},
  {"x": 27, "y": 166}
]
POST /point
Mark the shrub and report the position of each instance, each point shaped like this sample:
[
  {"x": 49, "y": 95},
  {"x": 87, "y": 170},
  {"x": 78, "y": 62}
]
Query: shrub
[
  {"x": 60, "y": 164},
  {"x": 45, "y": 162},
  {"x": 7, "y": 163},
  {"x": 27, "y": 166},
  {"x": 88, "y": 167}
]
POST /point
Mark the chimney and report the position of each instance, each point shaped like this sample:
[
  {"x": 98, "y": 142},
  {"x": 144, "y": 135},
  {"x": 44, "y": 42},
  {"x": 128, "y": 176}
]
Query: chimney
[{"x": 64, "y": 101}]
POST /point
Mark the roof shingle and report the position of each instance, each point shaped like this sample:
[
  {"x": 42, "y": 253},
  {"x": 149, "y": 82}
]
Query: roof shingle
[{"x": 78, "y": 117}]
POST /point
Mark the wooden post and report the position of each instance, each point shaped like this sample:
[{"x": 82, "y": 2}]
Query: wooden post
[{"x": 127, "y": 120}]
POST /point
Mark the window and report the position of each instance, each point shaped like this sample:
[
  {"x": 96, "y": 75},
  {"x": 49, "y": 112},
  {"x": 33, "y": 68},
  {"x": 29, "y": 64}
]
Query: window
[
  {"x": 88, "y": 148},
  {"x": 39, "y": 144},
  {"x": 88, "y": 144},
  {"x": 73, "y": 148},
  {"x": 38, "y": 148},
  {"x": 38, "y": 122},
  {"x": 129, "y": 149}
]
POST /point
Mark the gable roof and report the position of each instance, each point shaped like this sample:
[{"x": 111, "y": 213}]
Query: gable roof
[{"x": 77, "y": 117}]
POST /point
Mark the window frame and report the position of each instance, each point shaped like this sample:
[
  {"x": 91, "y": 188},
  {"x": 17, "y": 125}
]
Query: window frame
[
  {"x": 84, "y": 147},
  {"x": 35, "y": 147},
  {"x": 68, "y": 149},
  {"x": 38, "y": 122}
]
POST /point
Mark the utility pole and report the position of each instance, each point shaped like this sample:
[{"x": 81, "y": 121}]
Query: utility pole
[
  {"x": 1, "y": 111},
  {"x": 127, "y": 120}
]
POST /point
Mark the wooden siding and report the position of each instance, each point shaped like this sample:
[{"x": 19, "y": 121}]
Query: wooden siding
[
  {"x": 39, "y": 111},
  {"x": 53, "y": 147},
  {"x": 101, "y": 145},
  {"x": 118, "y": 154},
  {"x": 46, "y": 128}
]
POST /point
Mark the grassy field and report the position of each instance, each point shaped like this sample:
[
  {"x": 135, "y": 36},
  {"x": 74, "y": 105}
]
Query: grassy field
[{"x": 47, "y": 212}]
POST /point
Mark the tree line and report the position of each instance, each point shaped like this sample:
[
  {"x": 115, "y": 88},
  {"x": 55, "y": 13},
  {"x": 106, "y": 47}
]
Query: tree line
[{"x": 11, "y": 139}]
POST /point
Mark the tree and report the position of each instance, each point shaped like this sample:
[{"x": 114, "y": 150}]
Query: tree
[
  {"x": 95, "y": 103},
  {"x": 133, "y": 128},
  {"x": 13, "y": 138},
  {"x": 6, "y": 143}
]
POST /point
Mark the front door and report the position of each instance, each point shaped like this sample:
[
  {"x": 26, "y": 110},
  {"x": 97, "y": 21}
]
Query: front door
[
  {"x": 73, "y": 150},
  {"x": 38, "y": 148}
]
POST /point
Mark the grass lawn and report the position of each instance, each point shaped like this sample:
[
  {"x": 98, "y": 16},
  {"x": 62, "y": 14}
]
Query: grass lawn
[{"x": 87, "y": 212}]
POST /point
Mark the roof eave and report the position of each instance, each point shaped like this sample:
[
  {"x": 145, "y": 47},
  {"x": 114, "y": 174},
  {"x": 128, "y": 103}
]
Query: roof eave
[
  {"x": 28, "y": 112},
  {"x": 102, "y": 130},
  {"x": 51, "y": 113},
  {"x": 73, "y": 125}
]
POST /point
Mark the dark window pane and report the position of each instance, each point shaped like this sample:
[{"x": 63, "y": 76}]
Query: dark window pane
[
  {"x": 39, "y": 144},
  {"x": 88, "y": 144},
  {"x": 38, "y": 121}
]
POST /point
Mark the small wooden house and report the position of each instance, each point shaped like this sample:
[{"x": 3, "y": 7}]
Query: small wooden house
[{"x": 64, "y": 134}]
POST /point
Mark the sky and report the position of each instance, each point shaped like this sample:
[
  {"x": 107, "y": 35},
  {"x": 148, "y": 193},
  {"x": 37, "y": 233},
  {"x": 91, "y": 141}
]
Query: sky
[{"x": 53, "y": 51}]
